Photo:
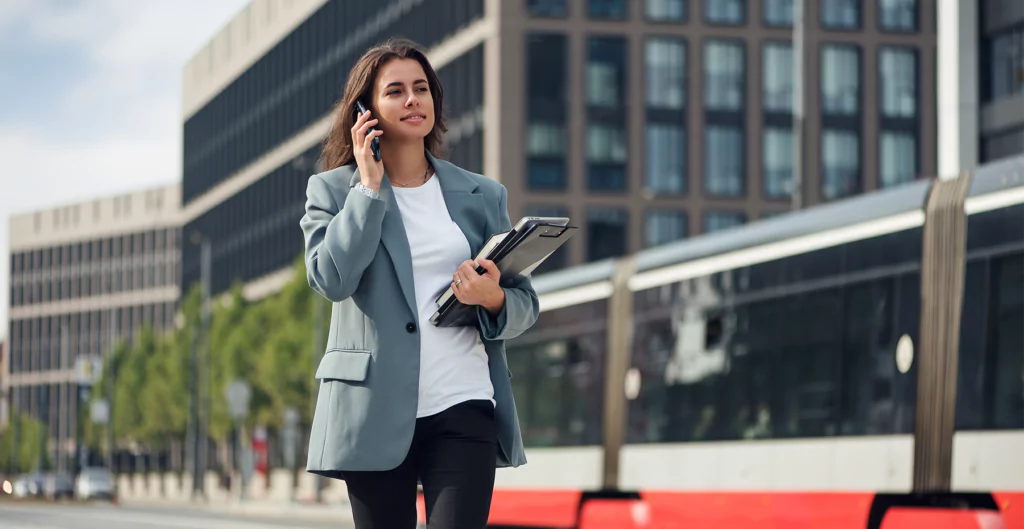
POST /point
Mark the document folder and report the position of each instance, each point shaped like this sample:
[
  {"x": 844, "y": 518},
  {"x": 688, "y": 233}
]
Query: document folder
[{"x": 516, "y": 253}]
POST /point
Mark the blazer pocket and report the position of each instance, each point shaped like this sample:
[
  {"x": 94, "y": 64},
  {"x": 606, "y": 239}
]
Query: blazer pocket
[{"x": 344, "y": 364}]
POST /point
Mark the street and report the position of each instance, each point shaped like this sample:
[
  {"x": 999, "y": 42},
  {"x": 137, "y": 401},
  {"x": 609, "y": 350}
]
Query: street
[{"x": 103, "y": 516}]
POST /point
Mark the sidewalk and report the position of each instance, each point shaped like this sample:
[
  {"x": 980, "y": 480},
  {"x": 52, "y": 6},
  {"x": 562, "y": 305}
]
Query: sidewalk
[{"x": 333, "y": 512}]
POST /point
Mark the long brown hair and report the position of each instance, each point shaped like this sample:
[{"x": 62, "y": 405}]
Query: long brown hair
[{"x": 337, "y": 146}]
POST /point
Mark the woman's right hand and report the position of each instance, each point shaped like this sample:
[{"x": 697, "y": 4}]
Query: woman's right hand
[{"x": 371, "y": 172}]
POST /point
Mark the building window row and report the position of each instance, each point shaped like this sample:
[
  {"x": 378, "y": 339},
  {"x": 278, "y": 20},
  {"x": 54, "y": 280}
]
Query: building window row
[
  {"x": 54, "y": 342},
  {"x": 724, "y": 140},
  {"x": 893, "y": 15},
  {"x": 116, "y": 264}
]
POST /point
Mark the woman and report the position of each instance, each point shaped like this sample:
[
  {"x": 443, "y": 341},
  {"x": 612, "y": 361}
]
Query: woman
[{"x": 401, "y": 400}]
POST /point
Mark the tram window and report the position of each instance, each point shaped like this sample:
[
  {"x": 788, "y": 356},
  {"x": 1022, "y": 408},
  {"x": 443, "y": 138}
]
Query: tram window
[
  {"x": 774, "y": 364},
  {"x": 558, "y": 376},
  {"x": 993, "y": 228}
]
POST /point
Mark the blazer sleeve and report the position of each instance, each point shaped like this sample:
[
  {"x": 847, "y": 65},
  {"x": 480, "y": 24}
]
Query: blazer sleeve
[
  {"x": 340, "y": 241},
  {"x": 521, "y": 304}
]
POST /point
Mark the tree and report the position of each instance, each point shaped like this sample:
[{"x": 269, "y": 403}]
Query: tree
[{"x": 28, "y": 449}]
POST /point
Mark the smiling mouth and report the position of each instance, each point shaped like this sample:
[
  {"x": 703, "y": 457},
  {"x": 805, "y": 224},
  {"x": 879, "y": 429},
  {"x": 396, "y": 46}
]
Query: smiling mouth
[{"x": 415, "y": 117}]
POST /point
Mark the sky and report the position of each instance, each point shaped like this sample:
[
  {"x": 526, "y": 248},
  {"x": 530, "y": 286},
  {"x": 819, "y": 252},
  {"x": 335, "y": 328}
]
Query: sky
[{"x": 90, "y": 100}]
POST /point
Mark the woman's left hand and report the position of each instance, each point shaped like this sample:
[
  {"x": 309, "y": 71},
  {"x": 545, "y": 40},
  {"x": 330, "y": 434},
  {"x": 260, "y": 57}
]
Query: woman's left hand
[{"x": 479, "y": 289}]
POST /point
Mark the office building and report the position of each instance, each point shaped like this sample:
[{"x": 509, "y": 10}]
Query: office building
[
  {"x": 1001, "y": 47},
  {"x": 645, "y": 121},
  {"x": 4, "y": 409},
  {"x": 84, "y": 276}
]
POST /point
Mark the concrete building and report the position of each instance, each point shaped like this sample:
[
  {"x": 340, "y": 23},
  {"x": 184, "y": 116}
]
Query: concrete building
[
  {"x": 645, "y": 121},
  {"x": 82, "y": 276}
]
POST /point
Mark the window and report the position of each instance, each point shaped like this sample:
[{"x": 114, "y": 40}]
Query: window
[
  {"x": 723, "y": 161},
  {"x": 1003, "y": 145},
  {"x": 606, "y": 157},
  {"x": 545, "y": 131},
  {"x": 778, "y": 13},
  {"x": 666, "y": 10},
  {"x": 607, "y": 9},
  {"x": 545, "y": 146},
  {"x": 664, "y": 226},
  {"x": 546, "y": 8},
  {"x": 1006, "y": 54},
  {"x": 840, "y": 14},
  {"x": 731, "y": 12},
  {"x": 666, "y": 73},
  {"x": 723, "y": 220},
  {"x": 898, "y": 77},
  {"x": 666, "y": 158},
  {"x": 897, "y": 15},
  {"x": 840, "y": 80},
  {"x": 606, "y": 72},
  {"x": 840, "y": 164},
  {"x": 898, "y": 158},
  {"x": 777, "y": 162},
  {"x": 777, "y": 78},
  {"x": 606, "y": 233},
  {"x": 723, "y": 76}
]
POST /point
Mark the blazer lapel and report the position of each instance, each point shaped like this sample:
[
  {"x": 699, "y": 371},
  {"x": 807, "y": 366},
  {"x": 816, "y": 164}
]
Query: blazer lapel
[
  {"x": 392, "y": 235},
  {"x": 465, "y": 205}
]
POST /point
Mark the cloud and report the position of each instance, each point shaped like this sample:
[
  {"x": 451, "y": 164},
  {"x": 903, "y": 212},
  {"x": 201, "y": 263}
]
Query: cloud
[{"x": 98, "y": 102}]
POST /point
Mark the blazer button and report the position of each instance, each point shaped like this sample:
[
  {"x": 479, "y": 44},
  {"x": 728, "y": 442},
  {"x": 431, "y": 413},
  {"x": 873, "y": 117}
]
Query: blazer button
[{"x": 410, "y": 327}]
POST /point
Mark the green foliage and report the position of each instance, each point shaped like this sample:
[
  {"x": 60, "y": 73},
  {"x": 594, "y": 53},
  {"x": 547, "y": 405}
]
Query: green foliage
[
  {"x": 267, "y": 343},
  {"x": 29, "y": 434}
]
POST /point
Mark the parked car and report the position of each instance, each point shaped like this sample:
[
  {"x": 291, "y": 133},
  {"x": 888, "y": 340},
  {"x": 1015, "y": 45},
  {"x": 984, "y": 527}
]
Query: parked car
[
  {"x": 29, "y": 485},
  {"x": 58, "y": 486},
  {"x": 93, "y": 483}
]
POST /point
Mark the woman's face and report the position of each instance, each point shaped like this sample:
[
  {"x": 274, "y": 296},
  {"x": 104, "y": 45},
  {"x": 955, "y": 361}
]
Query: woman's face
[{"x": 405, "y": 106}]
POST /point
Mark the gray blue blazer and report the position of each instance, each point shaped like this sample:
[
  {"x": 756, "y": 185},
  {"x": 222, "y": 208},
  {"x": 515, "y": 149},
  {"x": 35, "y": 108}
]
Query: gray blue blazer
[{"x": 357, "y": 255}]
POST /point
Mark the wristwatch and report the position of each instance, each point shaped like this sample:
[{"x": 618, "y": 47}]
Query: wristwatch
[{"x": 367, "y": 191}]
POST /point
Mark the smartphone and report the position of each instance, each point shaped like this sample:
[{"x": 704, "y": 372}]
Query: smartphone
[{"x": 375, "y": 142}]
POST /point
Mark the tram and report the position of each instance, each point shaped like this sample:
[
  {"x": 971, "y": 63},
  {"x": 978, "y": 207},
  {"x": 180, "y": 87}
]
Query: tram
[{"x": 854, "y": 365}]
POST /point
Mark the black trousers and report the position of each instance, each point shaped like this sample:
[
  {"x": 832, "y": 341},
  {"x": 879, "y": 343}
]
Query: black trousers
[{"x": 453, "y": 456}]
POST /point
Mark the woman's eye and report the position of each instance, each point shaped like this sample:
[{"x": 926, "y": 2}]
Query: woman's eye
[{"x": 393, "y": 92}]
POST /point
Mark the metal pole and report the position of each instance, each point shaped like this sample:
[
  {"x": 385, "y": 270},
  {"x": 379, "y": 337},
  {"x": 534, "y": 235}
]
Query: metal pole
[
  {"x": 318, "y": 351},
  {"x": 111, "y": 373},
  {"x": 205, "y": 378},
  {"x": 798, "y": 104}
]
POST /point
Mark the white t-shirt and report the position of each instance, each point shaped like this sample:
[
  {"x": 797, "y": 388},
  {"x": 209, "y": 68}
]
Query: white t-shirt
[{"x": 453, "y": 362}]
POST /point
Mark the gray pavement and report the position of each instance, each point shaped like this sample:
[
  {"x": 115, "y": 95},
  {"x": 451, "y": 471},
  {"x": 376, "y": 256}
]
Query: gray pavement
[{"x": 25, "y": 515}]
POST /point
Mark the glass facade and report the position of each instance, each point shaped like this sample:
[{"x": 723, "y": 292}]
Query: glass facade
[
  {"x": 723, "y": 161},
  {"x": 607, "y": 9},
  {"x": 840, "y": 14},
  {"x": 840, "y": 164},
  {"x": 723, "y": 220},
  {"x": 897, "y": 15},
  {"x": 724, "y": 75},
  {"x": 777, "y": 13},
  {"x": 1006, "y": 64},
  {"x": 666, "y": 10},
  {"x": 840, "y": 80},
  {"x": 297, "y": 82},
  {"x": 606, "y": 133},
  {"x": 898, "y": 143},
  {"x": 777, "y": 77},
  {"x": 666, "y": 159},
  {"x": 664, "y": 226},
  {"x": 777, "y": 162},
  {"x": 546, "y": 91},
  {"x": 546, "y": 8},
  {"x": 665, "y": 73},
  {"x": 725, "y": 12},
  {"x": 606, "y": 233}
]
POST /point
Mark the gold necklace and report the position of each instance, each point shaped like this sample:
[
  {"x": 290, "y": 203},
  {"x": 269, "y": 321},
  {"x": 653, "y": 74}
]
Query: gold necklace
[{"x": 424, "y": 178}]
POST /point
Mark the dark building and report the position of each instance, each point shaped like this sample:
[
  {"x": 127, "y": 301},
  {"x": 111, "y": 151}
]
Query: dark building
[
  {"x": 82, "y": 277},
  {"x": 645, "y": 121}
]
